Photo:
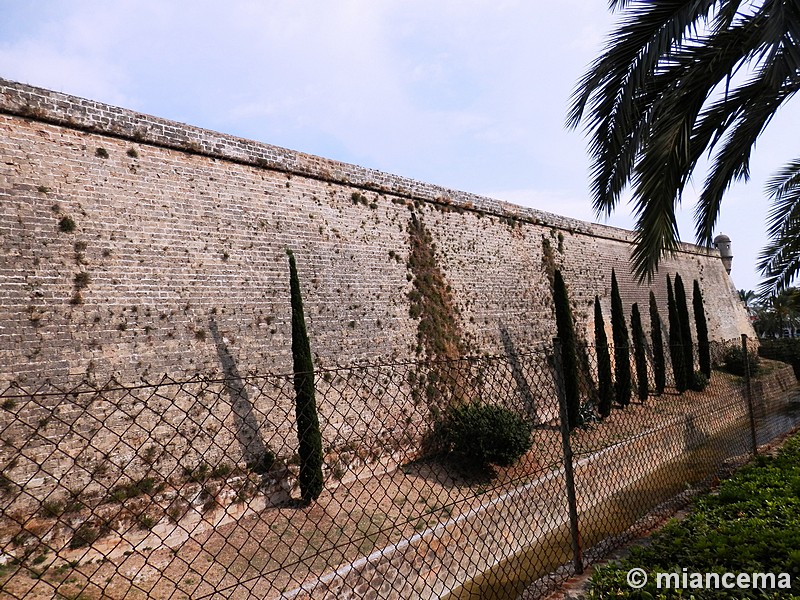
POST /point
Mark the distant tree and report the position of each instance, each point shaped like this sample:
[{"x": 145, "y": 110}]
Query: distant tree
[
  {"x": 605, "y": 383},
  {"x": 686, "y": 328},
  {"x": 675, "y": 342},
  {"x": 701, "y": 325},
  {"x": 569, "y": 355},
  {"x": 778, "y": 315},
  {"x": 622, "y": 355},
  {"x": 748, "y": 297},
  {"x": 639, "y": 353},
  {"x": 656, "y": 337},
  {"x": 308, "y": 432}
]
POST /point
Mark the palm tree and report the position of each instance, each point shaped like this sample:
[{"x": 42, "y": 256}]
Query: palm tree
[
  {"x": 785, "y": 306},
  {"x": 779, "y": 315},
  {"x": 748, "y": 297},
  {"x": 663, "y": 93},
  {"x": 766, "y": 322}
]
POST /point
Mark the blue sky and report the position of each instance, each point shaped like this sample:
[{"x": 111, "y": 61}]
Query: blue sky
[{"x": 469, "y": 94}]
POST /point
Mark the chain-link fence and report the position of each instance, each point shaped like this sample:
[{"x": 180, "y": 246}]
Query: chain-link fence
[{"x": 441, "y": 479}]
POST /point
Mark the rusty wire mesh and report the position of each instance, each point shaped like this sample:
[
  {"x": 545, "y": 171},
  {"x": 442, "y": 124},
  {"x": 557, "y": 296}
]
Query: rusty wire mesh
[{"x": 188, "y": 489}]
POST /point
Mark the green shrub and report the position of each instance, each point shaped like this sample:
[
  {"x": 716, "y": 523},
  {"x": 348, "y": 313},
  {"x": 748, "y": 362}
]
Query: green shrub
[
  {"x": 588, "y": 414},
  {"x": 699, "y": 381},
  {"x": 733, "y": 361},
  {"x": 483, "y": 434},
  {"x": 85, "y": 535},
  {"x": 263, "y": 463}
]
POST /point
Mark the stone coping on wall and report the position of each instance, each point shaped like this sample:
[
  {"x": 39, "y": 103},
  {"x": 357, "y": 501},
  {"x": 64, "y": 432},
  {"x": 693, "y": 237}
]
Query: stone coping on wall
[{"x": 65, "y": 110}]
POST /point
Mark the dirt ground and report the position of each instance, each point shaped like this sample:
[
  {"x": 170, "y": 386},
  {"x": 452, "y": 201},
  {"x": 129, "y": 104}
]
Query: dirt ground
[{"x": 277, "y": 548}]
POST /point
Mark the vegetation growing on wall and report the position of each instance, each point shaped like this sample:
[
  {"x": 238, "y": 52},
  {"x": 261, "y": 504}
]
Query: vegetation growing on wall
[
  {"x": 438, "y": 332},
  {"x": 66, "y": 224},
  {"x": 656, "y": 337},
  {"x": 605, "y": 383},
  {"x": 569, "y": 357},
  {"x": 548, "y": 259},
  {"x": 622, "y": 356},
  {"x": 432, "y": 304},
  {"x": 308, "y": 432}
]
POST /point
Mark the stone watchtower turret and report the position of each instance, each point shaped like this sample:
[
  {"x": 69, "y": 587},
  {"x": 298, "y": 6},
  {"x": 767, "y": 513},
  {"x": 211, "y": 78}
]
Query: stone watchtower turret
[{"x": 723, "y": 243}]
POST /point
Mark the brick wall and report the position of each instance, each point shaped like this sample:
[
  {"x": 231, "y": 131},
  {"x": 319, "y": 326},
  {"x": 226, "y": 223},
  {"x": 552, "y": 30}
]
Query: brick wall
[{"x": 177, "y": 261}]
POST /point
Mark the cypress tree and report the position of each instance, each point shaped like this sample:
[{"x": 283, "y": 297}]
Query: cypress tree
[
  {"x": 686, "y": 328},
  {"x": 656, "y": 337},
  {"x": 569, "y": 355},
  {"x": 703, "y": 345},
  {"x": 675, "y": 342},
  {"x": 622, "y": 355},
  {"x": 639, "y": 353},
  {"x": 605, "y": 384},
  {"x": 308, "y": 432}
]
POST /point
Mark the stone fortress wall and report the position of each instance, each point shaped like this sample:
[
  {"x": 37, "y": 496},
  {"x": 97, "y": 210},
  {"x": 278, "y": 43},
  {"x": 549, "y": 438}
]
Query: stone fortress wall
[
  {"x": 133, "y": 247},
  {"x": 180, "y": 245}
]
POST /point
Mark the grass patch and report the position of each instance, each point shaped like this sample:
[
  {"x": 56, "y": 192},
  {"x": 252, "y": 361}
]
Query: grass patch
[
  {"x": 122, "y": 492},
  {"x": 751, "y": 524}
]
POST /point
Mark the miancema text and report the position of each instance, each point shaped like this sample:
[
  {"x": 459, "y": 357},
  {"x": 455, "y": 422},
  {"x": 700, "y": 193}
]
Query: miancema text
[{"x": 711, "y": 581}]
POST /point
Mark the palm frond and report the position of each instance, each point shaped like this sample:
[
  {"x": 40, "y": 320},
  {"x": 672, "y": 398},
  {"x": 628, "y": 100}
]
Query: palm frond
[
  {"x": 741, "y": 117},
  {"x": 618, "y": 116},
  {"x": 782, "y": 189},
  {"x": 664, "y": 92},
  {"x": 779, "y": 261}
]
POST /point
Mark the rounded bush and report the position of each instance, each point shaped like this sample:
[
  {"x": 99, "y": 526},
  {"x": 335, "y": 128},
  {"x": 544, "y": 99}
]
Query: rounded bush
[
  {"x": 484, "y": 434},
  {"x": 699, "y": 381},
  {"x": 734, "y": 361}
]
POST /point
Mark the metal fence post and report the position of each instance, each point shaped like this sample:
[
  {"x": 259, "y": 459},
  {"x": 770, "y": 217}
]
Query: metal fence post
[
  {"x": 569, "y": 476},
  {"x": 749, "y": 394}
]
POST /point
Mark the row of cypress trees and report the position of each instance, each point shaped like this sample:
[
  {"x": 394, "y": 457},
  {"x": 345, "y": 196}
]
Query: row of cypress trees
[
  {"x": 618, "y": 388},
  {"x": 680, "y": 334},
  {"x": 681, "y": 354}
]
